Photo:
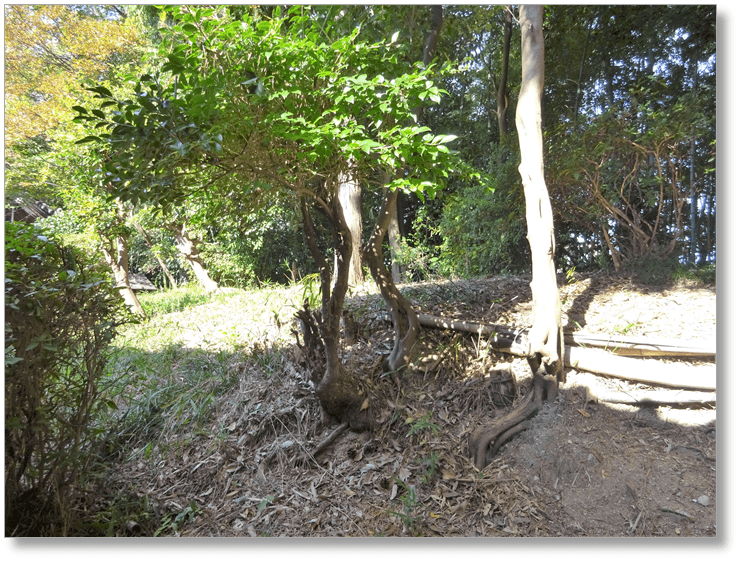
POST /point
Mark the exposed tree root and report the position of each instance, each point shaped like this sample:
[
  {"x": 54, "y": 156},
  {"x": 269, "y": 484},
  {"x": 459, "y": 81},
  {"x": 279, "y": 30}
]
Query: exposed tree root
[
  {"x": 511, "y": 424},
  {"x": 324, "y": 444}
]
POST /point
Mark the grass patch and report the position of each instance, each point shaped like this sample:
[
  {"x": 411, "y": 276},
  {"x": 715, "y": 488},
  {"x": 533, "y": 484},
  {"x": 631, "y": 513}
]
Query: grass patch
[
  {"x": 706, "y": 274},
  {"x": 175, "y": 300},
  {"x": 169, "y": 370}
]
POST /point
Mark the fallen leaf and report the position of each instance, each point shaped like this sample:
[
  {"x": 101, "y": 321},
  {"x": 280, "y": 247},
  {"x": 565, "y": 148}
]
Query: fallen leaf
[
  {"x": 404, "y": 474},
  {"x": 584, "y": 413}
]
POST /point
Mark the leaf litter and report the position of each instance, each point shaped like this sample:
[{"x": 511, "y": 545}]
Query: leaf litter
[{"x": 583, "y": 468}]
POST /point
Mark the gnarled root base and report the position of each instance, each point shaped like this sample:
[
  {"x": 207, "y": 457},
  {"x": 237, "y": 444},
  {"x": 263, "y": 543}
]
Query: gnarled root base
[
  {"x": 341, "y": 394},
  {"x": 514, "y": 422}
]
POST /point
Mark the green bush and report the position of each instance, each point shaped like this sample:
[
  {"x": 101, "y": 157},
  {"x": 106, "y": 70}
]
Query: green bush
[
  {"x": 484, "y": 230},
  {"x": 653, "y": 269},
  {"x": 60, "y": 317},
  {"x": 261, "y": 249}
]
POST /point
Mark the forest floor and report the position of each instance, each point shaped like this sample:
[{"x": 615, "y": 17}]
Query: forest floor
[{"x": 584, "y": 468}]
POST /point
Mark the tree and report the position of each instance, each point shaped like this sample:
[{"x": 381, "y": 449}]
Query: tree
[
  {"x": 545, "y": 340},
  {"x": 265, "y": 103},
  {"x": 187, "y": 244},
  {"x": 393, "y": 228},
  {"x": 105, "y": 218},
  {"x": 621, "y": 83}
]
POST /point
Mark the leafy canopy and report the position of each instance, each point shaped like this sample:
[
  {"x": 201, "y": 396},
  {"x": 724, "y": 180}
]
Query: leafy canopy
[{"x": 270, "y": 98}]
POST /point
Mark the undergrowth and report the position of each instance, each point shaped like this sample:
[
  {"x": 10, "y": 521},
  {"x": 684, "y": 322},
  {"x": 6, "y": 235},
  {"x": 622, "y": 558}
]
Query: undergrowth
[{"x": 169, "y": 373}]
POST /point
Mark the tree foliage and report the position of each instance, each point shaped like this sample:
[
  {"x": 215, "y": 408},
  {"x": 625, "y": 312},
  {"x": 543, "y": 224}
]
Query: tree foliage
[
  {"x": 48, "y": 50},
  {"x": 265, "y": 99}
]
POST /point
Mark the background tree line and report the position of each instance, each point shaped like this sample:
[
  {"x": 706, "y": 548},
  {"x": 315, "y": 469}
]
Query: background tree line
[{"x": 629, "y": 121}]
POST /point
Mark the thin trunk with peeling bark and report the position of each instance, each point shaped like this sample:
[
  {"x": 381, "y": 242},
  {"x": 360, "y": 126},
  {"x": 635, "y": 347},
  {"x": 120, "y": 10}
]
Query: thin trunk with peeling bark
[
  {"x": 405, "y": 321},
  {"x": 350, "y": 197},
  {"x": 115, "y": 251},
  {"x": 546, "y": 334},
  {"x": 189, "y": 249},
  {"x": 394, "y": 240}
]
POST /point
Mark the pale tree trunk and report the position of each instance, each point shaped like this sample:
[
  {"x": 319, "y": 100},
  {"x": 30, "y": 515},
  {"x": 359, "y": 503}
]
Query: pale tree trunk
[
  {"x": 545, "y": 342},
  {"x": 189, "y": 249},
  {"x": 546, "y": 334},
  {"x": 394, "y": 237},
  {"x": 350, "y": 197},
  {"x": 115, "y": 251},
  {"x": 405, "y": 321}
]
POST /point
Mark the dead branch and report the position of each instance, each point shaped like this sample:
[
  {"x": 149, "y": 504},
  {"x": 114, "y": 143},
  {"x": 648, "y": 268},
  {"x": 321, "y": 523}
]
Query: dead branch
[
  {"x": 645, "y": 371},
  {"x": 656, "y": 398},
  {"x": 626, "y": 346}
]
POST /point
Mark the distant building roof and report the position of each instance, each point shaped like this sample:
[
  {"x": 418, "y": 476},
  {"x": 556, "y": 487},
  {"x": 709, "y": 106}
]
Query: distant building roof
[
  {"x": 26, "y": 211},
  {"x": 140, "y": 282}
]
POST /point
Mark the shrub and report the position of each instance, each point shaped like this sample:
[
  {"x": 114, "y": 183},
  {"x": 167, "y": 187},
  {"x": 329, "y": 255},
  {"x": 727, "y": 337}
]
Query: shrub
[
  {"x": 484, "y": 231},
  {"x": 60, "y": 316}
]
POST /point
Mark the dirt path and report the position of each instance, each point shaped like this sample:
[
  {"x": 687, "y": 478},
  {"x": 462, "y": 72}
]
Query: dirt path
[{"x": 583, "y": 469}]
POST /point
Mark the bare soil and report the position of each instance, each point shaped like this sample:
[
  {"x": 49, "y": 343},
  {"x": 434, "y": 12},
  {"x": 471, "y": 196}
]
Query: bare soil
[{"x": 584, "y": 468}]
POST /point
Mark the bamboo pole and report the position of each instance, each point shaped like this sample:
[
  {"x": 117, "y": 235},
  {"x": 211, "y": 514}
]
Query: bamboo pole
[{"x": 645, "y": 371}]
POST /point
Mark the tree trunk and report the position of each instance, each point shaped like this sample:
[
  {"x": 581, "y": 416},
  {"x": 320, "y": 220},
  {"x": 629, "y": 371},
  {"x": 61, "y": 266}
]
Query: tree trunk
[
  {"x": 546, "y": 337},
  {"x": 711, "y": 218},
  {"x": 115, "y": 251},
  {"x": 693, "y": 242},
  {"x": 350, "y": 197},
  {"x": 545, "y": 343},
  {"x": 188, "y": 247},
  {"x": 430, "y": 47},
  {"x": 338, "y": 390},
  {"x": 405, "y": 321},
  {"x": 162, "y": 265},
  {"x": 502, "y": 100},
  {"x": 394, "y": 237}
]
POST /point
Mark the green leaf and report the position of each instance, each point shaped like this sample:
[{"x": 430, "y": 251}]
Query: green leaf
[
  {"x": 100, "y": 90},
  {"x": 90, "y": 138},
  {"x": 444, "y": 139}
]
